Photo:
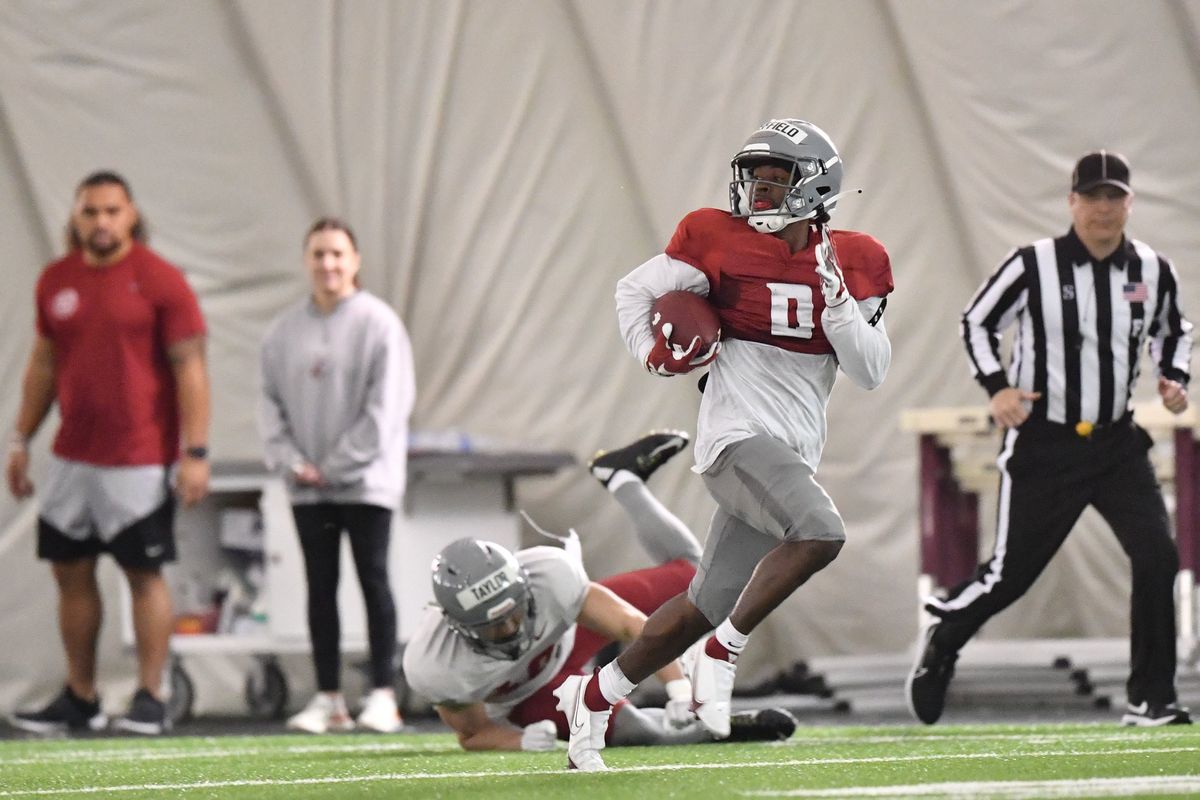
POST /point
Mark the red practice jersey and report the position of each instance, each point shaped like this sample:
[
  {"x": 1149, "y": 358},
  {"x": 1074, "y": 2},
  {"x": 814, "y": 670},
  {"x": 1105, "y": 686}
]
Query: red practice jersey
[
  {"x": 111, "y": 327},
  {"x": 765, "y": 293}
]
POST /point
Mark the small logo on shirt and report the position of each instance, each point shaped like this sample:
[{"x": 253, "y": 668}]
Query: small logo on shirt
[
  {"x": 154, "y": 551},
  {"x": 1068, "y": 292},
  {"x": 64, "y": 304},
  {"x": 317, "y": 370},
  {"x": 1135, "y": 292}
]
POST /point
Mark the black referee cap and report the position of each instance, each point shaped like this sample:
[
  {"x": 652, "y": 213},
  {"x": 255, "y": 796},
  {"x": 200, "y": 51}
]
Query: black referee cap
[{"x": 1101, "y": 168}]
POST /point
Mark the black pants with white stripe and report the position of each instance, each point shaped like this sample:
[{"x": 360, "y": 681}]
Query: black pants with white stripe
[{"x": 1048, "y": 475}]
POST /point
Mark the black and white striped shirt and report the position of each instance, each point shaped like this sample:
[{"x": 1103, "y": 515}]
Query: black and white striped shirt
[{"x": 1081, "y": 326}]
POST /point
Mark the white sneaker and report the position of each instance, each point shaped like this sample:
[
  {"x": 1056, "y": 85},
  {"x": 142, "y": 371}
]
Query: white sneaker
[
  {"x": 323, "y": 713},
  {"x": 712, "y": 691},
  {"x": 587, "y": 727},
  {"x": 379, "y": 713}
]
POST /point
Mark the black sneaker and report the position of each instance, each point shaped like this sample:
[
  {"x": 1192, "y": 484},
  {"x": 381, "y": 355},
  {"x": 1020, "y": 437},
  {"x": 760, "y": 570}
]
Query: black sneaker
[
  {"x": 1152, "y": 715},
  {"x": 146, "y": 716},
  {"x": 763, "y": 725},
  {"x": 65, "y": 713},
  {"x": 641, "y": 458},
  {"x": 929, "y": 678}
]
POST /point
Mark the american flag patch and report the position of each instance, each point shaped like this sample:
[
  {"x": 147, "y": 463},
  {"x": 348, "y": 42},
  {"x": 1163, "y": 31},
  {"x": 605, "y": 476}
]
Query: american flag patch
[{"x": 1134, "y": 292}]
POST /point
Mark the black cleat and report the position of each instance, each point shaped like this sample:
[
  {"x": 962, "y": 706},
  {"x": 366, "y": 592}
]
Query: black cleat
[
  {"x": 66, "y": 713},
  {"x": 763, "y": 725},
  {"x": 641, "y": 458},
  {"x": 146, "y": 716},
  {"x": 1152, "y": 715},
  {"x": 929, "y": 678}
]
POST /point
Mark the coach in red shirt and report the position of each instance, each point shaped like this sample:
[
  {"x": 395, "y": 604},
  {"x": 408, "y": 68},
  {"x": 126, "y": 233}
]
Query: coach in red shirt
[{"x": 120, "y": 346}]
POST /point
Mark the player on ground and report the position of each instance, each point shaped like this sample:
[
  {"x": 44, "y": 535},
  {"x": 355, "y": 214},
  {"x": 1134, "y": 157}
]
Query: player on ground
[
  {"x": 510, "y": 628},
  {"x": 796, "y": 301}
]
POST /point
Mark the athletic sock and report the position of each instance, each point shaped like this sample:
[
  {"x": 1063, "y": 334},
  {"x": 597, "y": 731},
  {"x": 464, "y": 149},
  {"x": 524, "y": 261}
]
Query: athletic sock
[
  {"x": 620, "y": 478},
  {"x": 726, "y": 643},
  {"x": 608, "y": 687}
]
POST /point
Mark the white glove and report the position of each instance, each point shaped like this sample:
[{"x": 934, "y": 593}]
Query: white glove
[
  {"x": 833, "y": 283},
  {"x": 677, "y": 713},
  {"x": 539, "y": 736}
]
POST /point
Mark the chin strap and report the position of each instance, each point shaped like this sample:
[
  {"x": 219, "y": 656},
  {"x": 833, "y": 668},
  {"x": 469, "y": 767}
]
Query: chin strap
[{"x": 820, "y": 216}]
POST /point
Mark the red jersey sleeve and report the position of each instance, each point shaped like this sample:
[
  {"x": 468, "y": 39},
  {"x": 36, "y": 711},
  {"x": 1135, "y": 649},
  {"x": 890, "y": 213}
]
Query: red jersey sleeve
[
  {"x": 694, "y": 240},
  {"x": 865, "y": 263},
  {"x": 179, "y": 315},
  {"x": 42, "y": 321}
]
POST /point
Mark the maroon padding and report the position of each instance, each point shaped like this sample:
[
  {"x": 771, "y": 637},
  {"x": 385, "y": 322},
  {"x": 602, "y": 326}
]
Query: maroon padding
[
  {"x": 949, "y": 518},
  {"x": 1187, "y": 500}
]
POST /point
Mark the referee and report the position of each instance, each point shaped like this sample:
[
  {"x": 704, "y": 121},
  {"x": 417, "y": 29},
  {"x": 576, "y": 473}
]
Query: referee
[{"x": 1084, "y": 305}]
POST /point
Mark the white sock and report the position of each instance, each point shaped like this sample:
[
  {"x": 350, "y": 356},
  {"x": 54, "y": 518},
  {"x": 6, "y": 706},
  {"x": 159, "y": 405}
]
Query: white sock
[
  {"x": 620, "y": 478},
  {"x": 730, "y": 637},
  {"x": 613, "y": 683}
]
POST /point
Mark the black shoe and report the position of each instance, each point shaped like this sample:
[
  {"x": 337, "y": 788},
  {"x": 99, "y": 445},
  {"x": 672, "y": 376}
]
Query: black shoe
[
  {"x": 641, "y": 458},
  {"x": 64, "y": 714},
  {"x": 1152, "y": 715},
  {"x": 146, "y": 716},
  {"x": 763, "y": 725},
  {"x": 929, "y": 678}
]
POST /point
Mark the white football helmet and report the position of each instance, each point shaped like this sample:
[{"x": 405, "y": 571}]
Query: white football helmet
[{"x": 816, "y": 174}]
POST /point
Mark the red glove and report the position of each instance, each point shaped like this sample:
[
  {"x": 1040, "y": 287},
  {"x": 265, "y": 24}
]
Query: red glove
[{"x": 667, "y": 359}]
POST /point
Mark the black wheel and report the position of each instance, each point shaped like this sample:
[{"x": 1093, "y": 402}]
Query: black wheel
[
  {"x": 183, "y": 694},
  {"x": 266, "y": 689}
]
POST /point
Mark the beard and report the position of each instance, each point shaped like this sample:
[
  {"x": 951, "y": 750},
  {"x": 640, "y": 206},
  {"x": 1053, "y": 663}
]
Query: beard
[{"x": 102, "y": 245}]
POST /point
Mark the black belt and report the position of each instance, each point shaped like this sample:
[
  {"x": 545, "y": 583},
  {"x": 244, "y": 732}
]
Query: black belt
[{"x": 1080, "y": 430}]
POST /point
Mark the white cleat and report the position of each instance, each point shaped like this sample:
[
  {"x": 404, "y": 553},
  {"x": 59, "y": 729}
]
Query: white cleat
[
  {"x": 587, "y": 727},
  {"x": 379, "y": 713},
  {"x": 712, "y": 692}
]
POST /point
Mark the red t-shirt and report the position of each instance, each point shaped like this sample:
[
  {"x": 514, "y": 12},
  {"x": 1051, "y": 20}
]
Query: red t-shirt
[
  {"x": 755, "y": 279},
  {"x": 111, "y": 327}
]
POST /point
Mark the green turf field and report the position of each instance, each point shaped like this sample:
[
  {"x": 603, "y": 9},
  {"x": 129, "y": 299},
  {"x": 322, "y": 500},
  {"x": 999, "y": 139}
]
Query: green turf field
[{"x": 983, "y": 761}]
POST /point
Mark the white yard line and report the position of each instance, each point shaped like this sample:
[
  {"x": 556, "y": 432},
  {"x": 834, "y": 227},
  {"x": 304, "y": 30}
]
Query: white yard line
[
  {"x": 1108, "y": 735},
  {"x": 456, "y": 776},
  {"x": 1010, "y": 790},
  {"x": 167, "y": 753}
]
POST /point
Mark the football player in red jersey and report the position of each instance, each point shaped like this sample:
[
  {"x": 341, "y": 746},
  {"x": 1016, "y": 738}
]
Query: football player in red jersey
[{"x": 796, "y": 301}]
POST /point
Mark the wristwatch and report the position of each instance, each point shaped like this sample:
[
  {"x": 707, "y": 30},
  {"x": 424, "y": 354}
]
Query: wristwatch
[{"x": 198, "y": 452}]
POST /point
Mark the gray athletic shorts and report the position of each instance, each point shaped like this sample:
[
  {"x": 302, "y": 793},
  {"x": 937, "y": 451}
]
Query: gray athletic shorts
[
  {"x": 125, "y": 511},
  {"x": 765, "y": 495}
]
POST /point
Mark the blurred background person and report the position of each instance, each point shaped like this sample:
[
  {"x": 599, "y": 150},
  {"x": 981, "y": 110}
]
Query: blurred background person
[
  {"x": 120, "y": 347},
  {"x": 338, "y": 388}
]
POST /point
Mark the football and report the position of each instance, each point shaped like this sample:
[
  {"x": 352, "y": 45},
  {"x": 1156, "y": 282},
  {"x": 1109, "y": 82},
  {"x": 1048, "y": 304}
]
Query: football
[{"x": 690, "y": 316}]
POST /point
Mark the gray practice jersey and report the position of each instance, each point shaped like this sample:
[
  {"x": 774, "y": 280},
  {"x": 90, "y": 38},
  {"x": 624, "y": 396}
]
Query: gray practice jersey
[{"x": 439, "y": 664}]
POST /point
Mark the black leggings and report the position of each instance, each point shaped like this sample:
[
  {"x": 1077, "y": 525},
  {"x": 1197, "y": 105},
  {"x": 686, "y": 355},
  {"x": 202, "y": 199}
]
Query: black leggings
[{"x": 369, "y": 527}]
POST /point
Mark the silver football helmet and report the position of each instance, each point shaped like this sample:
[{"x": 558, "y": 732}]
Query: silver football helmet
[
  {"x": 816, "y": 174},
  {"x": 485, "y": 597}
]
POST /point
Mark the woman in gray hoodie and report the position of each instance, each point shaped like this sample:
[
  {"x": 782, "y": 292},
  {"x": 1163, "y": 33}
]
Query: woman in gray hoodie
[{"x": 337, "y": 377}]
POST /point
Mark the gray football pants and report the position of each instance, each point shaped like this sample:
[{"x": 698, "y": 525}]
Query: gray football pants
[{"x": 765, "y": 495}]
